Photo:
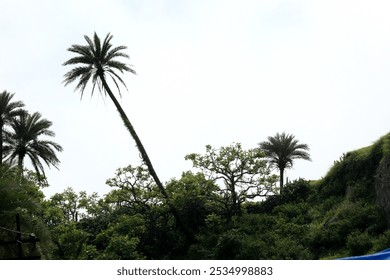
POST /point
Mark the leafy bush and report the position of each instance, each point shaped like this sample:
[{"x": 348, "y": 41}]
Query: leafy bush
[
  {"x": 122, "y": 248},
  {"x": 341, "y": 222},
  {"x": 382, "y": 242},
  {"x": 293, "y": 212},
  {"x": 294, "y": 192},
  {"x": 358, "y": 243},
  {"x": 291, "y": 249},
  {"x": 255, "y": 247},
  {"x": 229, "y": 245}
]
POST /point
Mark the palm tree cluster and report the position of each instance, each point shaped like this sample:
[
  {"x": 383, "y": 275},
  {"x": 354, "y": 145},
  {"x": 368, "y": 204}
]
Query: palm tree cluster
[{"x": 21, "y": 136}]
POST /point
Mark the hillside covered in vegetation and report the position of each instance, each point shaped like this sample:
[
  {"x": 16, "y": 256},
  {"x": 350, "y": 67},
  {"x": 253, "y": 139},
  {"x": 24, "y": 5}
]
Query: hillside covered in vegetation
[
  {"x": 347, "y": 212},
  {"x": 344, "y": 213},
  {"x": 229, "y": 206}
]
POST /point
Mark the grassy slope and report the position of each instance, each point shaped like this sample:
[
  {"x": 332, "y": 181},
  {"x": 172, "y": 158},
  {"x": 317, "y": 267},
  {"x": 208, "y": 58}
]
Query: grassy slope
[
  {"x": 333, "y": 217},
  {"x": 345, "y": 219}
]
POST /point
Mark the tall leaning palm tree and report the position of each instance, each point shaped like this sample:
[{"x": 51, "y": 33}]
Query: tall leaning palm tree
[
  {"x": 25, "y": 140},
  {"x": 8, "y": 111},
  {"x": 96, "y": 62},
  {"x": 282, "y": 150}
]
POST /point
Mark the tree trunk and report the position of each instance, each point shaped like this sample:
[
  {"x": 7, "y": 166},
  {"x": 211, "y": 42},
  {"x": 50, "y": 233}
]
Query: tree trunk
[
  {"x": 281, "y": 176},
  {"x": 20, "y": 163},
  {"x": 1, "y": 142},
  {"x": 235, "y": 204},
  {"x": 185, "y": 229}
]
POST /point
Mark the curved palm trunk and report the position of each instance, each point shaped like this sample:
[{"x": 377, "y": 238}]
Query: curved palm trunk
[{"x": 186, "y": 230}]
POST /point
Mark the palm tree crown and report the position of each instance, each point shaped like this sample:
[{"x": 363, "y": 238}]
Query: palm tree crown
[
  {"x": 25, "y": 140},
  {"x": 8, "y": 111},
  {"x": 95, "y": 61},
  {"x": 282, "y": 150}
]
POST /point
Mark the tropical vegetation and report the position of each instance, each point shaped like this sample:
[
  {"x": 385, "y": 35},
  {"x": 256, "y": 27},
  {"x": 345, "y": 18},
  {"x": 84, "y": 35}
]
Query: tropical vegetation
[
  {"x": 282, "y": 149},
  {"x": 24, "y": 140},
  {"x": 228, "y": 206}
]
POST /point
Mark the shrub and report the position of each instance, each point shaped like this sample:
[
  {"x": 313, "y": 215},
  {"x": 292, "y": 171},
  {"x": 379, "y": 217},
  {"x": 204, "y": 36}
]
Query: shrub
[
  {"x": 382, "y": 242},
  {"x": 290, "y": 249},
  {"x": 293, "y": 212},
  {"x": 229, "y": 245},
  {"x": 358, "y": 243}
]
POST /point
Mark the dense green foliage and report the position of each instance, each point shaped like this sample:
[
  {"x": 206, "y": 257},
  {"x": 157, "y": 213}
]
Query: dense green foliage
[
  {"x": 333, "y": 217},
  {"x": 229, "y": 207},
  {"x": 242, "y": 174},
  {"x": 21, "y": 197}
]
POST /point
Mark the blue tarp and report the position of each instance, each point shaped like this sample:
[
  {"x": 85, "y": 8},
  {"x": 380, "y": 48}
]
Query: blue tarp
[{"x": 382, "y": 255}]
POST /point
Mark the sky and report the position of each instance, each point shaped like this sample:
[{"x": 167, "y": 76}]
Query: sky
[{"x": 208, "y": 72}]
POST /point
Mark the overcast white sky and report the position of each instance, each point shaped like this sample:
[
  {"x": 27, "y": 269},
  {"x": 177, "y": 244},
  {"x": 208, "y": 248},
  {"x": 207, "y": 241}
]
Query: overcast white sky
[{"x": 209, "y": 72}]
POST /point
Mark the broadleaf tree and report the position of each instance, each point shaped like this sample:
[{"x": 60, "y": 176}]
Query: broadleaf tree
[
  {"x": 134, "y": 188},
  {"x": 241, "y": 174}
]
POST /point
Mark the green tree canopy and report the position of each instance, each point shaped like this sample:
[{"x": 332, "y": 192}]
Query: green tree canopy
[
  {"x": 134, "y": 188},
  {"x": 244, "y": 174},
  {"x": 21, "y": 196}
]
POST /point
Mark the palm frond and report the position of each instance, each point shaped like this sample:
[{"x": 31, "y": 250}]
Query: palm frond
[
  {"x": 84, "y": 51},
  {"x": 119, "y": 66},
  {"x": 95, "y": 81},
  {"x": 113, "y": 75},
  {"x": 76, "y": 73},
  {"x": 91, "y": 46},
  {"x": 97, "y": 46},
  {"x": 9, "y": 108},
  {"x": 115, "y": 52},
  {"x": 106, "y": 46},
  {"x": 78, "y": 60},
  {"x": 36, "y": 163},
  {"x": 83, "y": 82}
]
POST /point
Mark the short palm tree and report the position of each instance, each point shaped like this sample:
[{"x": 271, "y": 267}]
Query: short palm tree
[
  {"x": 282, "y": 150},
  {"x": 96, "y": 62},
  {"x": 8, "y": 111},
  {"x": 24, "y": 140}
]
